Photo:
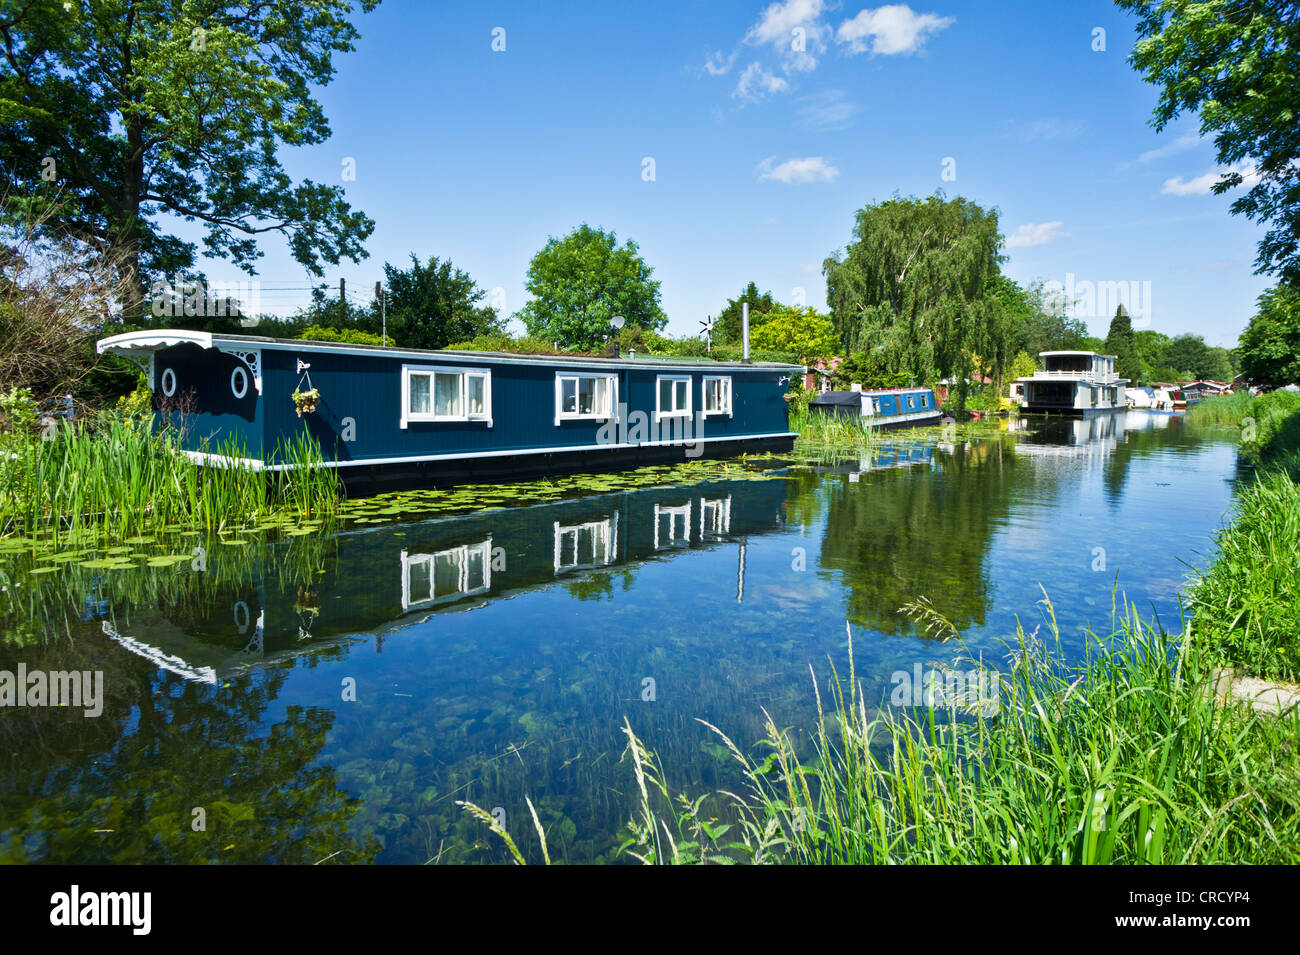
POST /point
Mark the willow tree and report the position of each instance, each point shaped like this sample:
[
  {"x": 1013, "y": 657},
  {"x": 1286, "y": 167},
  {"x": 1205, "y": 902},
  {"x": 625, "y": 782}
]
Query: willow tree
[
  {"x": 117, "y": 113},
  {"x": 913, "y": 287}
]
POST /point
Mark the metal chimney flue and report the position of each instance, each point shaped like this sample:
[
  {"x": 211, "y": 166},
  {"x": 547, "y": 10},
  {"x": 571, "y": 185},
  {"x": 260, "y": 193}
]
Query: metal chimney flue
[{"x": 744, "y": 331}]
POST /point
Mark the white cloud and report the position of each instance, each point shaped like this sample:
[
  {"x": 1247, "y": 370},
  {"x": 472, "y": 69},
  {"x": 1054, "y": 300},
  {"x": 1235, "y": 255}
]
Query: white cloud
[
  {"x": 1182, "y": 143},
  {"x": 755, "y": 83},
  {"x": 828, "y": 111},
  {"x": 893, "y": 29},
  {"x": 1035, "y": 233},
  {"x": 795, "y": 30},
  {"x": 1203, "y": 184},
  {"x": 793, "y": 171},
  {"x": 718, "y": 65}
]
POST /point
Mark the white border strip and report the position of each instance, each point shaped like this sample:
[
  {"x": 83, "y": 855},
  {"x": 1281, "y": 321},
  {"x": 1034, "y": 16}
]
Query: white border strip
[{"x": 219, "y": 460}]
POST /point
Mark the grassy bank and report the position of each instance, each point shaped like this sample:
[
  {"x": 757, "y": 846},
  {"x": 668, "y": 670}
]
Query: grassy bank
[
  {"x": 117, "y": 475},
  {"x": 1246, "y": 605},
  {"x": 1123, "y": 759}
]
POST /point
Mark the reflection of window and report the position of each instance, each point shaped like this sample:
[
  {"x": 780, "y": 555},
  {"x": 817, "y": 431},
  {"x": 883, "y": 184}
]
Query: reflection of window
[
  {"x": 593, "y": 544},
  {"x": 447, "y": 575},
  {"x": 585, "y": 396},
  {"x": 717, "y": 395},
  {"x": 446, "y": 394},
  {"x": 674, "y": 396},
  {"x": 672, "y": 525},
  {"x": 715, "y": 517}
]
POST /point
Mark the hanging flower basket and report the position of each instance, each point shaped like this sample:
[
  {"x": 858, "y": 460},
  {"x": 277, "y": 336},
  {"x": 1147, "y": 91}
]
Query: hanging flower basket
[{"x": 305, "y": 401}]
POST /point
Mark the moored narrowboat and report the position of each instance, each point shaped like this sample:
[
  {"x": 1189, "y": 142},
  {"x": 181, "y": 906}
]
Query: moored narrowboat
[
  {"x": 881, "y": 407},
  {"x": 380, "y": 412}
]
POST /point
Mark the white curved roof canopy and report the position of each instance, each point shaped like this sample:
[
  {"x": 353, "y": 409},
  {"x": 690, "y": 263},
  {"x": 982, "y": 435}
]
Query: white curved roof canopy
[{"x": 149, "y": 340}]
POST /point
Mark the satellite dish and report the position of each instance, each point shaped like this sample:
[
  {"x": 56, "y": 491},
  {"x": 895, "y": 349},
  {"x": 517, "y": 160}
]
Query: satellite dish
[{"x": 617, "y": 321}]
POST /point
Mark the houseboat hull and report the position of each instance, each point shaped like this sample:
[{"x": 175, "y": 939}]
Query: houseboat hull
[
  {"x": 376, "y": 478},
  {"x": 886, "y": 408},
  {"x": 443, "y": 416}
]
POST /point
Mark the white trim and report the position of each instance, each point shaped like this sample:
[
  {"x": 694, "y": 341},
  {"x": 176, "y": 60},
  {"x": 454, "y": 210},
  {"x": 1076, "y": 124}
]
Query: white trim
[
  {"x": 603, "y": 531},
  {"x": 162, "y": 382},
  {"x": 682, "y": 511},
  {"x": 239, "y": 370},
  {"x": 463, "y": 589},
  {"x": 161, "y": 658},
  {"x": 464, "y": 374},
  {"x": 721, "y": 508},
  {"x": 660, "y": 414},
  {"x": 730, "y": 408},
  {"x": 205, "y": 457},
  {"x": 612, "y": 397},
  {"x": 160, "y": 338}
]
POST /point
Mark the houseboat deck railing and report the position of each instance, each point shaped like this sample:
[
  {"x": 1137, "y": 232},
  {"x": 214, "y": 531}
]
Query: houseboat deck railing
[{"x": 1088, "y": 375}]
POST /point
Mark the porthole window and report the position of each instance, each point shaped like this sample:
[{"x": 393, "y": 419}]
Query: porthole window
[
  {"x": 239, "y": 382},
  {"x": 168, "y": 382}
]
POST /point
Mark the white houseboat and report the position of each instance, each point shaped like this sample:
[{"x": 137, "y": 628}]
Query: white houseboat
[{"x": 1073, "y": 382}]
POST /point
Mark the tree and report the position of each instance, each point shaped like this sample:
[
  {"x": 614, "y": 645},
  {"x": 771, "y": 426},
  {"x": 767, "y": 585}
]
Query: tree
[
  {"x": 1237, "y": 62},
  {"x": 433, "y": 305},
  {"x": 55, "y": 298},
  {"x": 1192, "y": 358},
  {"x": 118, "y": 112},
  {"x": 1023, "y": 365},
  {"x": 913, "y": 287},
  {"x": 580, "y": 282},
  {"x": 728, "y": 326},
  {"x": 803, "y": 331},
  {"x": 1122, "y": 343},
  {"x": 1269, "y": 348}
]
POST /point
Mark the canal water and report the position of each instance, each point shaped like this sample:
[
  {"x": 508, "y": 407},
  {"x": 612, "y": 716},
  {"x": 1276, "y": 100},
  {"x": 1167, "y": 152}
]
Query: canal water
[{"x": 333, "y": 698}]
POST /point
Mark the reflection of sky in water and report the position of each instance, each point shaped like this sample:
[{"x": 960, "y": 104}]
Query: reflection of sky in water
[{"x": 528, "y": 635}]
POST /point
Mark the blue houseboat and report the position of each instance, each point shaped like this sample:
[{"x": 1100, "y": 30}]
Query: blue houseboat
[
  {"x": 450, "y": 415},
  {"x": 882, "y": 407}
]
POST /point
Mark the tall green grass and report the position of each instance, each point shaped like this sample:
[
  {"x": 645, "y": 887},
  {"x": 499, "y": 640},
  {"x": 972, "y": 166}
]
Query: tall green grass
[
  {"x": 1269, "y": 425},
  {"x": 827, "y": 436},
  {"x": 1247, "y": 602},
  {"x": 1123, "y": 759},
  {"x": 118, "y": 474}
]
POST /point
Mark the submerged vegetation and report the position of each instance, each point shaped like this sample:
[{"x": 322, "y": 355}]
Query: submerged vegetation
[{"x": 1122, "y": 759}]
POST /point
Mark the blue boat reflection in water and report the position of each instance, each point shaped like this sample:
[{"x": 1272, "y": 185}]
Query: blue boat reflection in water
[{"x": 340, "y": 695}]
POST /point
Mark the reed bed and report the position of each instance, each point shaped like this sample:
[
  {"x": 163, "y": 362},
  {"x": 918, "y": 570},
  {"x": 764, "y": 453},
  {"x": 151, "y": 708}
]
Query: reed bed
[
  {"x": 1122, "y": 759},
  {"x": 824, "y": 436},
  {"x": 117, "y": 474}
]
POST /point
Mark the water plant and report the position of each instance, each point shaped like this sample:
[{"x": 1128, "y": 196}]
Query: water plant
[
  {"x": 1122, "y": 759},
  {"x": 121, "y": 476}
]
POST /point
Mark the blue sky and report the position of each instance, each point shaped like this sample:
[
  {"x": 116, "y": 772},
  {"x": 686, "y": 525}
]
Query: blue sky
[{"x": 762, "y": 152}]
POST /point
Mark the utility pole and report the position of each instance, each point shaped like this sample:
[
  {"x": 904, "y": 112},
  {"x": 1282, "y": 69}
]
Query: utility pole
[{"x": 383, "y": 310}]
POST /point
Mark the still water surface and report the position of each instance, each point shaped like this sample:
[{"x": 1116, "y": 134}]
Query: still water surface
[{"x": 333, "y": 698}]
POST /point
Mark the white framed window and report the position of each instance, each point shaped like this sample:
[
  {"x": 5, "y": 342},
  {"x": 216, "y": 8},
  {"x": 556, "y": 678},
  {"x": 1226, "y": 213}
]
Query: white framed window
[
  {"x": 715, "y": 517},
  {"x": 585, "y": 397},
  {"x": 431, "y": 393},
  {"x": 672, "y": 526},
  {"x": 168, "y": 382},
  {"x": 717, "y": 395},
  {"x": 580, "y": 546},
  {"x": 673, "y": 396},
  {"x": 239, "y": 382},
  {"x": 447, "y": 575}
]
